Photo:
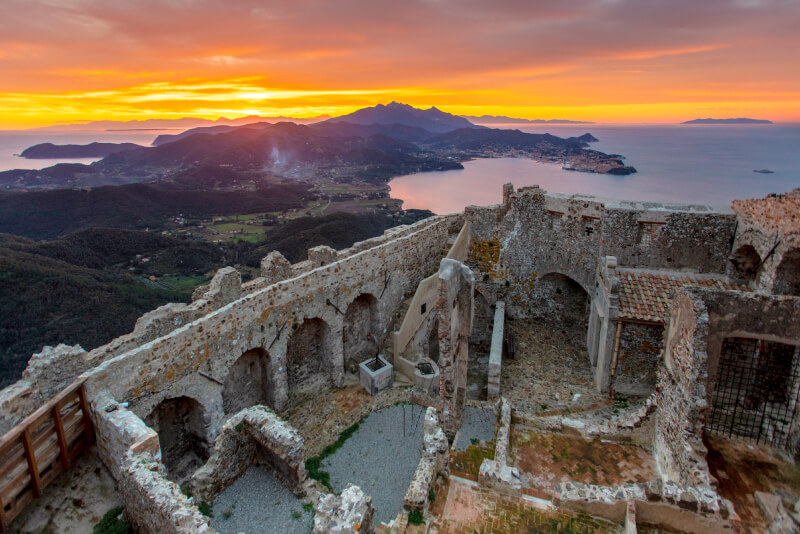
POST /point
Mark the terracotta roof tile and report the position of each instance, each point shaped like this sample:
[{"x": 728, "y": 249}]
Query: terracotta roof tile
[{"x": 645, "y": 296}]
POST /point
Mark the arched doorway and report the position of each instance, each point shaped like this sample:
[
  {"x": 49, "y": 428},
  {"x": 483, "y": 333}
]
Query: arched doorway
[
  {"x": 745, "y": 262},
  {"x": 561, "y": 299},
  {"x": 248, "y": 382},
  {"x": 181, "y": 426},
  {"x": 787, "y": 275},
  {"x": 308, "y": 356},
  {"x": 360, "y": 332}
]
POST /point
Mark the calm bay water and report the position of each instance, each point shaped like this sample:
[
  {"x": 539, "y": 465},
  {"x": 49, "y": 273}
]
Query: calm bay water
[
  {"x": 15, "y": 141},
  {"x": 677, "y": 163}
]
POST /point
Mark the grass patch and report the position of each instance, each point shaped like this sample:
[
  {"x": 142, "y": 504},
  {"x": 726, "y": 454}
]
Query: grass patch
[
  {"x": 205, "y": 509},
  {"x": 296, "y": 514},
  {"x": 313, "y": 464},
  {"x": 113, "y": 522},
  {"x": 308, "y": 506},
  {"x": 415, "y": 517}
]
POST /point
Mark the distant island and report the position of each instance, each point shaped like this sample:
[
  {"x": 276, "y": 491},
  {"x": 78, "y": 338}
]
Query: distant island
[
  {"x": 501, "y": 119},
  {"x": 92, "y": 150},
  {"x": 740, "y": 120}
]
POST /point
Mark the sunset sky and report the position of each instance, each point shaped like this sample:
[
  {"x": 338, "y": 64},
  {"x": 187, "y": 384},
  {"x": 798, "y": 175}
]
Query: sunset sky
[{"x": 597, "y": 60}]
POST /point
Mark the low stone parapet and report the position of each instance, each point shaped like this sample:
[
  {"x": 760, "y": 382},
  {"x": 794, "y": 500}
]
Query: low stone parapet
[
  {"x": 348, "y": 513},
  {"x": 254, "y": 436},
  {"x": 153, "y": 503}
]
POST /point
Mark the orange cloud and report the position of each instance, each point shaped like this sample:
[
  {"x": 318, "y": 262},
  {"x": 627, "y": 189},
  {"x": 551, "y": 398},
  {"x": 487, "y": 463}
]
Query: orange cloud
[{"x": 625, "y": 60}]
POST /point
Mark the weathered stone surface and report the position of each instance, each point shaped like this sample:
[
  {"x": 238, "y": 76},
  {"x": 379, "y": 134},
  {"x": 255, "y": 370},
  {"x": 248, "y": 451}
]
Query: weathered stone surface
[
  {"x": 118, "y": 430},
  {"x": 348, "y": 513},
  {"x": 253, "y": 436},
  {"x": 275, "y": 268},
  {"x": 496, "y": 354},
  {"x": 375, "y": 381},
  {"x": 153, "y": 503},
  {"x": 434, "y": 460},
  {"x": 454, "y": 309}
]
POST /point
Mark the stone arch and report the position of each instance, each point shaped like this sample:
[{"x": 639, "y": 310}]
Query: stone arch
[
  {"x": 361, "y": 329},
  {"x": 309, "y": 356},
  {"x": 248, "y": 382},
  {"x": 181, "y": 424},
  {"x": 787, "y": 275},
  {"x": 561, "y": 298},
  {"x": 745, "y": 262}
]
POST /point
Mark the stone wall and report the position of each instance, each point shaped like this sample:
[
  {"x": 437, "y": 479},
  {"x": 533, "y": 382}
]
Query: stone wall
[
  {"x": 678, "y": 508},
  {"x": 496, "y": 473},
  {"x": 454, "y": 309},
  {"x": 47, "y": 373},
  {"x": 434, "y": 460},
  {"x": 154, "y": 504},
  {"x": 638, "y": 358},
  {"x": 536, "y": 234},
  {"x": 254, "y": 436},
  {"x": 496, "y": 354},
  {"x": 681, "y": 393},
  {"x": 348, "y": 513},
  {"x": 193, "y": 360}
]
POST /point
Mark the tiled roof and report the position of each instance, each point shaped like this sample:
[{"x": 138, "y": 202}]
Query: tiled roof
[{"x": 645, "y": 296}]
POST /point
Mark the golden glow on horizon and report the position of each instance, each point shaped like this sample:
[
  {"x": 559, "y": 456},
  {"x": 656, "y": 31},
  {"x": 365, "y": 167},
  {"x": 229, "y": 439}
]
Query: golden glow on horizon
[{"x": 592, "y": 60}]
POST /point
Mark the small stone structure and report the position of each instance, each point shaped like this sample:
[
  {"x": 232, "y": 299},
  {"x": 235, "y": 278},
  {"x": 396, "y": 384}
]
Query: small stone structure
[
  {"x": 434, "y": 460},
  {"x": 254, "y": 436},
  {"x": 496, "y": 354},
  {"x": 376, "y": 380},
  {"x": 497, "y": 474},
  {"x": 348, "y": 513}
]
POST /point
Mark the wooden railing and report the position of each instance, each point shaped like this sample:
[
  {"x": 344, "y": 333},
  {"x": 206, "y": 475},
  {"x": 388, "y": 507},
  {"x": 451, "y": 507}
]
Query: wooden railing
[{"x": 40, "y": 448}]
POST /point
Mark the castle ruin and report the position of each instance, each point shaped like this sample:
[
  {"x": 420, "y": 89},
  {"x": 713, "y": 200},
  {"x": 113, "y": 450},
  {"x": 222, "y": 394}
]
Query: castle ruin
[{"x": 682, "y": 325}]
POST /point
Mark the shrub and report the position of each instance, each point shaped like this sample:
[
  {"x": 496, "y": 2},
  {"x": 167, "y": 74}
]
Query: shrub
[
  {"x": 415, "y": 517},
  {"x": 113, "y": 522},
  {"x": 205, "y": 509}
]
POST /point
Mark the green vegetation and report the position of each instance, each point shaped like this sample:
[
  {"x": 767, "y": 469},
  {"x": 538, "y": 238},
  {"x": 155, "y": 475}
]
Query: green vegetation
[
  {"x": 308, "y": 506},
  {"x": 313, "y": 464},
  {"x": 205, "y": 509},
  {"x": 296, "y": 514},
  {"x": 415, "y": 517},
  {"x": 113, "y": 522}
]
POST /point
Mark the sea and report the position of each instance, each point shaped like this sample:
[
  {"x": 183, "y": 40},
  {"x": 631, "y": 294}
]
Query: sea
[
  {"x": 676, "y": 163},
  {"x": 13, "y": 142}
]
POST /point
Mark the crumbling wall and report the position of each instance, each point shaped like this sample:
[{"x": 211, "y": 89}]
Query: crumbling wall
[
  {"x": 194, "y": 359},
  {"x": 254, "y": 436},
  {"x": 681, "y": 393},
  {"x": 454, "y": 309},
  {"x": 348, "y": 513},
  {"x": 47, "y": 373},
  {"x": 679, "y": 508},
  {"x": 153, "y": 504},
  {"x": 181, "y": 425},
  {"x": 434, "y": 460}
]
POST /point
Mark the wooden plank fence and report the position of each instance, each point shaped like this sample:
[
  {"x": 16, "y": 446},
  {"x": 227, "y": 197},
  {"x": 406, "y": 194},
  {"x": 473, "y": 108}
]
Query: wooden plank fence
[{"x": 44, "y": 445}]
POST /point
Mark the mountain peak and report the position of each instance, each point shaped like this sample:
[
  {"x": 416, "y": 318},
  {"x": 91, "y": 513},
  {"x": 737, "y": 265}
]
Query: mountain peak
[{"x": 433, "y": 120}]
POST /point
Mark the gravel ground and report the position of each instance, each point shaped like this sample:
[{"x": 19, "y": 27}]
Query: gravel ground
[
  {"x": 379, "y": 459},
  {"x": 257, "y": 503},
  {"x": 477, "y": 423}
]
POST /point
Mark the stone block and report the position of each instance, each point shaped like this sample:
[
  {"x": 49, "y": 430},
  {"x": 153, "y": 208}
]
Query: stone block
[{"x": 376, "y": 380}]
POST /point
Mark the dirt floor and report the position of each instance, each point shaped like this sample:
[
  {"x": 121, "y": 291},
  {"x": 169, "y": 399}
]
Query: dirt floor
[
  {"x": 545, "y": 458},
  {"x": 321, "y": 417},
  {"x": 743, "y": 468},
  {"x": 461, "y": 507},
  {"x": 551, "y": 371},
  {"x": 74, "y": 502}
]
